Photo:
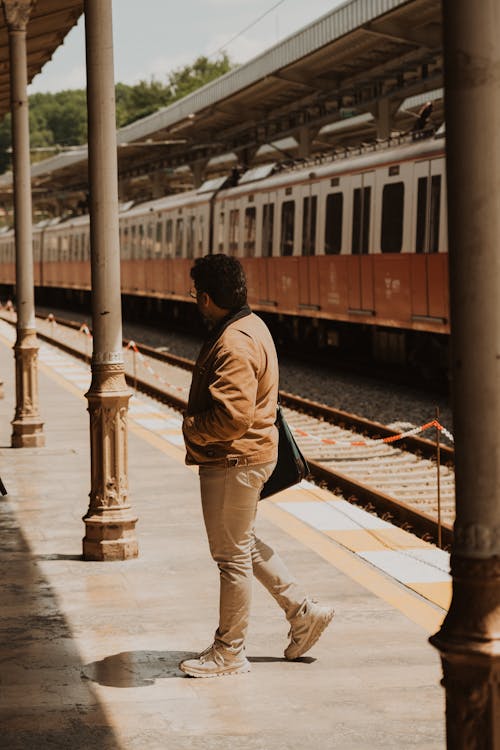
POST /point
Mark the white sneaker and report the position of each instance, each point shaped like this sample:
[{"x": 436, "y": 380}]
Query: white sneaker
[
  {"x": 214, "y": 662},
  {"x": 306, "y": 627}
]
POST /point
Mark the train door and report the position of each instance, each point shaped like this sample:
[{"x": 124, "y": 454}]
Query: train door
[
  {"x": 429, "y": 266},
  {"x": 308, "y": 274},
  {"x": 268, "y": 228},
  {"x": 360, "y": 296}
]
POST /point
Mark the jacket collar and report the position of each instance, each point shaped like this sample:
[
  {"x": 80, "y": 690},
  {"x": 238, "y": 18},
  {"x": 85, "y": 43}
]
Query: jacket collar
[{"x": 231, "y": 317}]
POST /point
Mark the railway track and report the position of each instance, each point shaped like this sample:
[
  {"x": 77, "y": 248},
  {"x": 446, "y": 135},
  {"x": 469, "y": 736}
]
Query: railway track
[{"x": 350, "y": 455}]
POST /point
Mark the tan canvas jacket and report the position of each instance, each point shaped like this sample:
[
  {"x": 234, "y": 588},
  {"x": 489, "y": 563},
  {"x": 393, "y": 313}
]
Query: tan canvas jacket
[{"x": 232, "y": 402}]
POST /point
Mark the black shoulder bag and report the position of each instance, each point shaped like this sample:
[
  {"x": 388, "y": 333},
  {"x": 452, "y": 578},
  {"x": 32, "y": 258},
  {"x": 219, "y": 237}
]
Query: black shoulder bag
[{"x": 291, "y": 466}]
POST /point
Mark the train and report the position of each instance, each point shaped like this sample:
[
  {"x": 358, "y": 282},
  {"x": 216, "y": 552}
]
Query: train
[{"x": 345, "y": 252}]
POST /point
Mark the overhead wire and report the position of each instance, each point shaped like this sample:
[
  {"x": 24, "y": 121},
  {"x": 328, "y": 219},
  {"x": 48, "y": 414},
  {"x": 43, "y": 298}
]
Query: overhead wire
[{"x": 250, "y": 26}]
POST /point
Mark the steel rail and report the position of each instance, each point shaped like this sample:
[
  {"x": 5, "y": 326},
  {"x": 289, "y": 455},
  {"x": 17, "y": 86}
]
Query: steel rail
[{"x": 412, "y": 444}]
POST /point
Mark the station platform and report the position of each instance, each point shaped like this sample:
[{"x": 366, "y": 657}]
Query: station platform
[{"x": 89, "y": 651}]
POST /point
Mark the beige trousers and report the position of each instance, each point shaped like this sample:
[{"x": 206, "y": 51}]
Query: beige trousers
[{"x": 229, "y": 499}]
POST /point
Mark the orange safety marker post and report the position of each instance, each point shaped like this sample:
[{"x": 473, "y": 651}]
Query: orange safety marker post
[
  {"x": 132, "y": 345},
  {"x": 137, "y": 354},
  {"x": 438, "y": 465},
  {"x": 53, "y": 323},
  {"x": 86, "y": 332}
]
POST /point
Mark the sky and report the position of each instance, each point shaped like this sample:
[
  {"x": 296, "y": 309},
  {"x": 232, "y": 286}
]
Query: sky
[{"x": 154, "y": 37}]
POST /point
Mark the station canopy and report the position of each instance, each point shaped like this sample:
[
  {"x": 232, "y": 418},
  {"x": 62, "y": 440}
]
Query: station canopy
[
  {"x": 333, "y": 83},
  {"x": 49, "y": 22}
]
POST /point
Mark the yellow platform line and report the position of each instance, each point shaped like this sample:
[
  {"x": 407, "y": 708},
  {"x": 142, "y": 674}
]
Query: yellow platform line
[{"x": 422, "y": 612}]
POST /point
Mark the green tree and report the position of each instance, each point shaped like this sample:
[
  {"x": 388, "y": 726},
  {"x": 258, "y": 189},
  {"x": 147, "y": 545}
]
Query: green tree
[
  {"x": 141, "y": 100},
  {"x": 60, "y": 120},
  {"x": 187, "y": 79},
  {"x": 5, "y": 144}
]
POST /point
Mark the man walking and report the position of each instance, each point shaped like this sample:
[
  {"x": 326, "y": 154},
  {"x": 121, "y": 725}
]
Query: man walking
[{"x": 229, "y": 432}]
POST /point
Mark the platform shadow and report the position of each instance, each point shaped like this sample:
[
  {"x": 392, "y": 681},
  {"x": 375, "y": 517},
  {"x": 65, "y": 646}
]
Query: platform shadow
[
  {"x": 264, "y": 659},
  {"x": 57, "y": 556},
  {"x": 40, "y": 659},
  {"x": 142, "y": 668},
  {"x": 136, "y": 668}
]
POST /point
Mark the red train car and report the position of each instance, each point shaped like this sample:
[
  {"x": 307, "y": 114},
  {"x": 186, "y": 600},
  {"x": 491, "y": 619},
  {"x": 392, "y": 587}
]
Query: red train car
[{"x": 344, "y": 251}]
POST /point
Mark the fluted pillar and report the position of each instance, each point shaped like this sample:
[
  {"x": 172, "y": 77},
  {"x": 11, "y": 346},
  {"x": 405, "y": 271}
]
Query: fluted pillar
[
  {"x": 109, "y": 522},
  {"x": 469, "y": 640},
  {"x": 27, "y": 427}
]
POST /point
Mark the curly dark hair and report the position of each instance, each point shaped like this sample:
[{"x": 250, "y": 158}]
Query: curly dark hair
[{"x": 222, "y": 277}]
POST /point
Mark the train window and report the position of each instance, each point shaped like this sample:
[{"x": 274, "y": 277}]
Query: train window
[
  {"x": 141, "y": 243},
  {"x": 221, "y": 232},
  {"x": 250, "y": 228},
  {"x": 179, "y": 237},
  {"x": 169, "y": 234},
  {"x": 234, "y": 231},
  {"x": 361, "y": 220},
  {"x": 158, "y": 238},
  {"x": 149, "y": 240},
  {"x": 287, "y": 227},
  {"x": 309, "y": 225},
  {"x": 201, "y": 234},
  {"x": 393, "y": 199},
  {"x": 53, "y": 248},
  {"x": 191, "y": 227},
  {"x": 428, "y": 214},
  {"x": 333, "y": 223},
  {"x": 267, "y": 229},
  {"x": 126, "y": 247},
  {"x": 132, "y": 242}
]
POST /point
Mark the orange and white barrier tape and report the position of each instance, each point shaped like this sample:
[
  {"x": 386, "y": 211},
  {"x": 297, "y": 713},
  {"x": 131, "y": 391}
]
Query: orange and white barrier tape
[
  {"x": 133, "y": 346},
  {"x": 378, "y": 441},
  {"x": 300, "y": 433}
]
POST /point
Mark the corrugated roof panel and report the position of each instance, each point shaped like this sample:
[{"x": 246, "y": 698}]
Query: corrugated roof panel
[
  {"x": 49, "y": 22},
  {"x": 212, "y": 185},
  {"x": 257, "y": 173},
  {"x": 329, "y": 27}
]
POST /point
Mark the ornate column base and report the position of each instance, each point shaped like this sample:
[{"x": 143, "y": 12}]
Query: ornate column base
[
  {"x": 27, "y": 427},
  {"x": 109, "y": 522},
  {"x": 110, "y": 539},
  {"x": 469, "y": 645},
  {"x": 27, "y": 433}
]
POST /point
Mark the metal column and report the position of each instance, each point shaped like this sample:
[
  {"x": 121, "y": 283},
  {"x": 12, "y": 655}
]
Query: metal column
[
  {"x": 109, "y": 522},
  {"x": 469, "y": 640},
  {"x": 27, "y": 427}
]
